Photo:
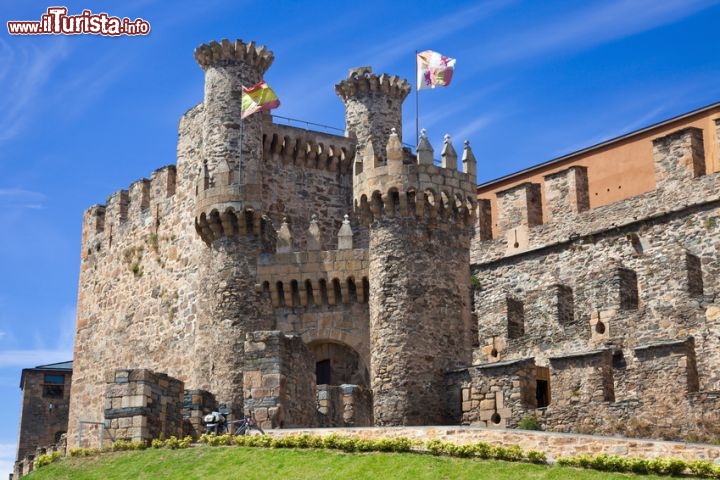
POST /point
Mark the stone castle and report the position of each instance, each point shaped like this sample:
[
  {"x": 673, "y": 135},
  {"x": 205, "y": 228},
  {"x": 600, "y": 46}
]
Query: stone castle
[{"x": 321, "y": 280}]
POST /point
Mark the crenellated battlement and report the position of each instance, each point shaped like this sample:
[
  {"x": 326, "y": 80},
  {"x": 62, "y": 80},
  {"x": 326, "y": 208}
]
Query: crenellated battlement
[
  {"x": 216, "y": 224},
  {"x": 313, "y": 278},
  {"x": 128, "y": 206},
  {"x": 362, "y": 81},
  {"x": 307, "y": 148},
  {"x": 398, "y": 188},
  {"x": 532, "y": 216},
  {"x": 227, "y": 53}
]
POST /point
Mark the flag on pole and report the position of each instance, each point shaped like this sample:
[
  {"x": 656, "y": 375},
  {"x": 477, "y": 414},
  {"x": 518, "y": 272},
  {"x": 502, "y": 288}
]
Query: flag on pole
[
  {"x": 434, "y": 70},
  {"x": 258, "y": 98}
]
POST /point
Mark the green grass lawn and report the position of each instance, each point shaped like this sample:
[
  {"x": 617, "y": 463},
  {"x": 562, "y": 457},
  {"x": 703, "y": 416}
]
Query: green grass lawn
[{"x": 256, "y": 463}]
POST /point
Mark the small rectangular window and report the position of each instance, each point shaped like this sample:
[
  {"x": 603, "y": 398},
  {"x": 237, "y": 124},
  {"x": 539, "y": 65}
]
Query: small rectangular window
[{"x": 54, "y": 386}]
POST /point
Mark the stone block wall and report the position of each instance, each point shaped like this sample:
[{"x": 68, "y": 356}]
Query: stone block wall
[
  {"x": 279, "y": 380},
  {"x": 566, "y": 192},
  {"x": 494, "y": 395},
  {"x": 635, "y": 273},
  {"x": 583, "y": 378},
  {"x": 196, "y": 404},
  {"x": 308, "y": 173},
  {"x": 519, "y": 206},
  {"x": 141, "y": 405},
  {"x": 344, "y": 406},
  {"x": 679, "y": 157}
]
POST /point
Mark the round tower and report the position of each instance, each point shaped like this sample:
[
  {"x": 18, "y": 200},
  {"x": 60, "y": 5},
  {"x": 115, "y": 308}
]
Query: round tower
[
  {"x": 373, "y": 106},
  {"x": 228, "y": 218},
  {"x": 420, "y": 219}
]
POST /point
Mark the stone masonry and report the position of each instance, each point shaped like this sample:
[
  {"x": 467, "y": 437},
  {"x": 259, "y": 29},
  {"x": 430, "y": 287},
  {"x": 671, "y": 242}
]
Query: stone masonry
[
  {"x": 312, "y": 279},
  {"x": 618, "y": 302}
]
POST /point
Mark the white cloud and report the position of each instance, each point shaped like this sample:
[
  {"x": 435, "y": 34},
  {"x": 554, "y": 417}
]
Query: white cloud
[
  {"x": 581, "y": 29},
  {"x": 24, "y": 79},
  {"x": 20, "y": 198},
  {"x": 424, "y": 35},
  {"x": 472, "y": 127}
]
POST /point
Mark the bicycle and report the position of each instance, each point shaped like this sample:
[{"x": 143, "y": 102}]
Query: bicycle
[{"x": 218, "y": 424}]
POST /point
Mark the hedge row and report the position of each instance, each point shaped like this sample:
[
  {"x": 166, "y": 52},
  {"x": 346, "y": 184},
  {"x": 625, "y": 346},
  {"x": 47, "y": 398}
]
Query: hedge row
[
  {"x": 658, "y": 466},
  {"x": 603, "y": 462}
]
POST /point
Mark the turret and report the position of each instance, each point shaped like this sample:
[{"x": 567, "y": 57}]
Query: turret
[
  {"x": 421, "y": 219},
  {"x": 228, "y": 217},
  {"x": 230, "y": 174},
  {"x": 373, "y": 106}
]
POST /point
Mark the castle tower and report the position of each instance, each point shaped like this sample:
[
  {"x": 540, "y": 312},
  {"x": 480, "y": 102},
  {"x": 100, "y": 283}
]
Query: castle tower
[
  {"x": 228, "y": 218},
  {"x": 373, "y": 107},
  {"x": 420, "y": 219}
]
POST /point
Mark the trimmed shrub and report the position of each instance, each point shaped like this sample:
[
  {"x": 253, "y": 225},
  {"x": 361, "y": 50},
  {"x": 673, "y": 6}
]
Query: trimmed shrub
[{"x": 47, "y": 459}]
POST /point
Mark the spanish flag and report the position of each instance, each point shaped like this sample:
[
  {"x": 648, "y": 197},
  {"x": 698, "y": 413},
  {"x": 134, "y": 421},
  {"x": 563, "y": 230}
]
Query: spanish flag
[{"x": 258, "y": 98}]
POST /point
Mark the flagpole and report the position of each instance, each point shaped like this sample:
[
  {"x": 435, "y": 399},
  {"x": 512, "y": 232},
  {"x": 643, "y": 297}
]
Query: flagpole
[
  {"x": 417, "y": 113},
  {"x": 241, "y": 167}
]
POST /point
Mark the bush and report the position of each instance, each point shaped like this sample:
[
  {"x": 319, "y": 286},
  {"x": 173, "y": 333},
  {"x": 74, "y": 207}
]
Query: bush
[
  {"x": 47, "y": 459},
  {"x": 535, "y": 456},
  {"x": 659, "y": 466},
  {"x": 125, "y": 445},
  {"x": 511, "y": 454},
  {"x": 703, "y": 468},
  {"x": 84, "y": 452},
  {"x": 529, "y": 422},
  {"x": 483, "y": 450},
  {"x": 157, "y": 443},
  {"x": 667, "y": 466}
]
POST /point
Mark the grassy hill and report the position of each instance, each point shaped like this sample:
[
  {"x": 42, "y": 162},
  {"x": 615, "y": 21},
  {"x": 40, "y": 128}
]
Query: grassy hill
[{"x": 209, "y": 463}]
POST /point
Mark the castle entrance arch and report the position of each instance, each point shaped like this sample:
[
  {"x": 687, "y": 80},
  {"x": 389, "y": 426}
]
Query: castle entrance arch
[{"x": 337, "y": 363}]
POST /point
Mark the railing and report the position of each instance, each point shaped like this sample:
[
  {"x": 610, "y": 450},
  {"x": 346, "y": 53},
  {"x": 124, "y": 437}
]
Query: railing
[
  {"x": 307, "y": 124},
  {"x": 290, "y": 121}
]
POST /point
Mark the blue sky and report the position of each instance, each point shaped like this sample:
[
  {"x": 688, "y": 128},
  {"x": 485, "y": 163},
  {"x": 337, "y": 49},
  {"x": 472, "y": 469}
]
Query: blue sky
[{"x": 83, "y": 116}]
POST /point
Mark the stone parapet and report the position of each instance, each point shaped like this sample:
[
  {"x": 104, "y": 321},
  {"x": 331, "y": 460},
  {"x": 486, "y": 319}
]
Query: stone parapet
[
  {"x": 627, "y": 215},
  {"x": 397, "y": 188},
  {"x": 566, "y": 192},
  {"x": 315, "y": 277},
  {"x": 133, "y": 206},
  {"x": 316, "y": 150},
  {"x": 678, "y": 159},
  {"x": 226, "y": 53},
  {"x": 373, "y": 106},
  {"x": 344, "y": 406},
  {"x": 141, "y": 405},
  {"x": 493, "y": 395}
]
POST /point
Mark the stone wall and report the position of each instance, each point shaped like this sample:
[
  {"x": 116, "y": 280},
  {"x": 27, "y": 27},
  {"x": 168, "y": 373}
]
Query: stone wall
[
  {"x": 494, "y": 395},
  {"x": 152, "y": 292},
  {"x": 44, "y": 414},
  {"x": 197, "y": 404},
  {"x": 279, "y": 380},
  {"x": 344, "y": 406},
  {"x": 320, "y": 295},
  {"x": 617, "y": 280},
  {"x": 308, "y": 173},
  {"x": 141, "y": 405}
]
